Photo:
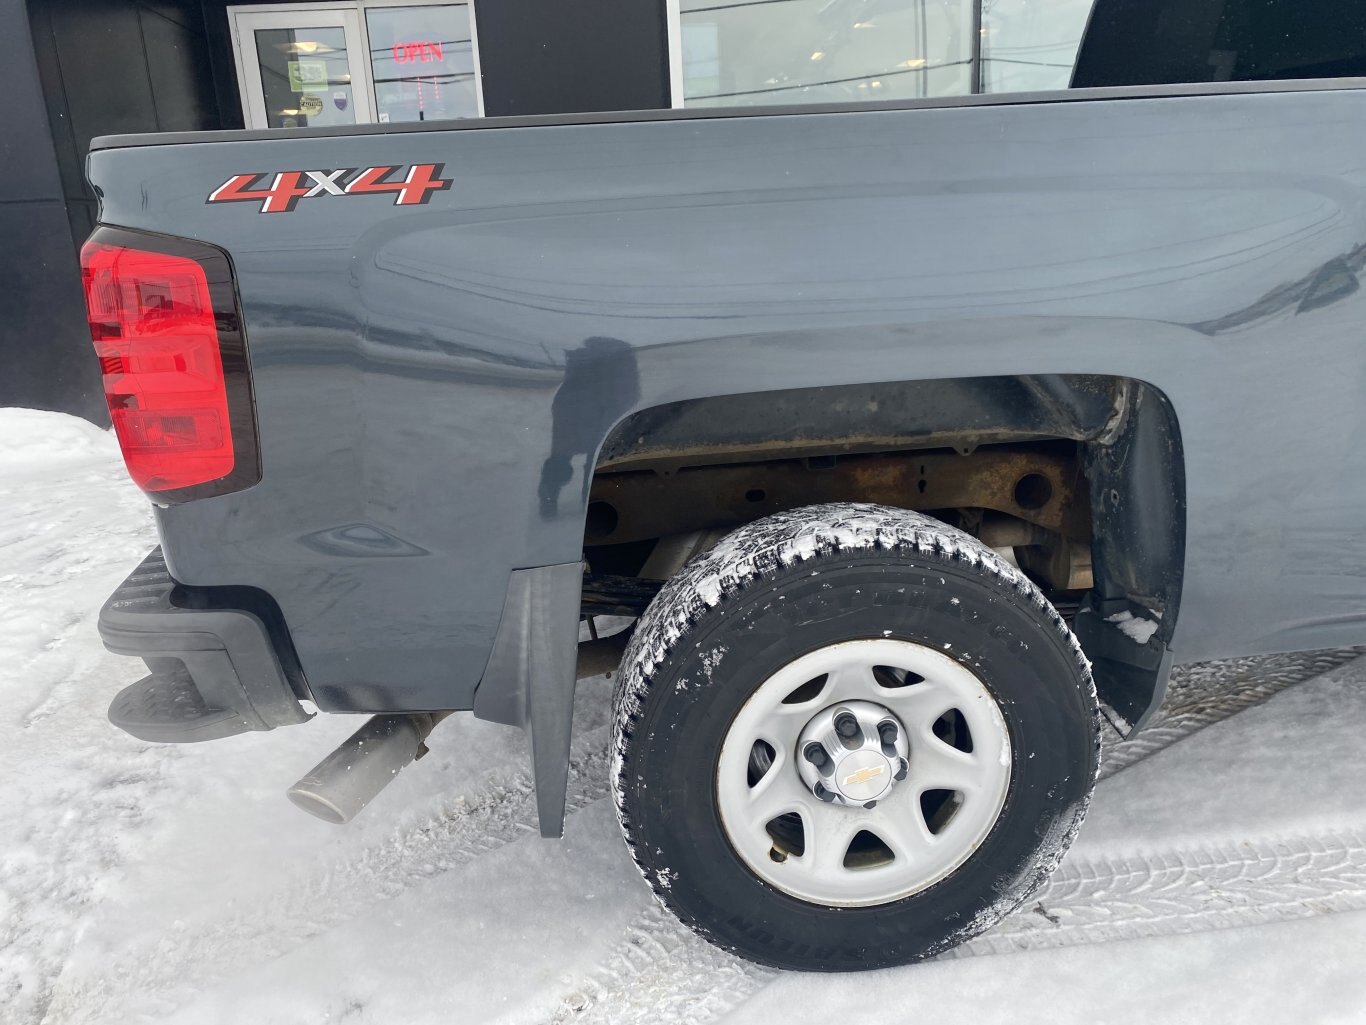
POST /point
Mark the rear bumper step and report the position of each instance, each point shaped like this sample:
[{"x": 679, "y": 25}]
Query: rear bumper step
[{"x": 214, "y": 672}]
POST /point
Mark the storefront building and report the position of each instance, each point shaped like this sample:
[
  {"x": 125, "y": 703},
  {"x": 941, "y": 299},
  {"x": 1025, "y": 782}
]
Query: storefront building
[{"x": 71, "y": 70}]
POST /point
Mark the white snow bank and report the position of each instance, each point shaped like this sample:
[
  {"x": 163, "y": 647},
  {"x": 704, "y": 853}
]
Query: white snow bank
[
  {"x": 76, "y": 793},
  {"x": 34, "y": 440}
]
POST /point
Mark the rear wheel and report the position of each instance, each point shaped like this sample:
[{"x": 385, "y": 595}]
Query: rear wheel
[{"x": 849, "y": 737}]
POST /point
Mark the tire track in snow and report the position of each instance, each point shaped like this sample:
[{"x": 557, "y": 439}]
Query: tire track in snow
[
  {"x": 1209, "y": 692},
  {"x": 661, "y": 961},
  {"x": 1194, "y": 889},
  {"x": 311, "y": 903},
  {"x": 661, "y": 972},
  {"x": 659, "y": 975}
]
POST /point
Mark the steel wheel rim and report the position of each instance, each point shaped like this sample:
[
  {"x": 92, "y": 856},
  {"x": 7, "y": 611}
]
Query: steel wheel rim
[{"x": 835, "y": 863}]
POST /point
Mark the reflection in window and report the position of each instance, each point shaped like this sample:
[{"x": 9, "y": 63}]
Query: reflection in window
[
  {"x": 422, "y": 61},
  {"x": 824, "y": 51},
  {"x": 739, "y": 52},
  {"x": 305, "y": 77},
  {"x": 1030, "y": 45}
]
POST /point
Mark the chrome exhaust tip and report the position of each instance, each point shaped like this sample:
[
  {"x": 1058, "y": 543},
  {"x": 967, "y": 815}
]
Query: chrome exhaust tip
[{"x": 348, "y": 779}]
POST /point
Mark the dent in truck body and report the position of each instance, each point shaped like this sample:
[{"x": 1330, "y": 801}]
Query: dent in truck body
[{"x": 406, "y": 362}]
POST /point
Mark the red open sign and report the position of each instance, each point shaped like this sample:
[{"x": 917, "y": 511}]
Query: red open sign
[{"x": 424, "y": 51}]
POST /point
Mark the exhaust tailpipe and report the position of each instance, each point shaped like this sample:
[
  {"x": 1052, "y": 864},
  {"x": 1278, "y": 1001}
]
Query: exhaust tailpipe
[{"x": 348, "y": 779}]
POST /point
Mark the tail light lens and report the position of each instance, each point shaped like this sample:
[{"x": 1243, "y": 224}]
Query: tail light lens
[{"x": 164, "y": 320}]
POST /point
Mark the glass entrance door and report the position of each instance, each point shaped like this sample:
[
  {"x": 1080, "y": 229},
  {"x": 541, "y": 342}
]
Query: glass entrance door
[
  {"x": 351, "y": 62},
  {"x": 301, "y": 68}
]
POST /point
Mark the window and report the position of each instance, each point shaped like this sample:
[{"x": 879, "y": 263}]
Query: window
[
  {"x": 738, "y": 52},
  {"x": 305, "y": 76},
  {"x": 823, "y": 51},
  {"x": 422, "y": 62},
  {"x": 326, "y": 64},
  {"x": 1030, "y": 45}
]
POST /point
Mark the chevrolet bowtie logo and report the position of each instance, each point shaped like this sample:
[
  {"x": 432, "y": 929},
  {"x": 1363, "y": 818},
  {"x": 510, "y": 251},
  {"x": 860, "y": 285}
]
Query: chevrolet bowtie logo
[{"x": 864, "y": 775}]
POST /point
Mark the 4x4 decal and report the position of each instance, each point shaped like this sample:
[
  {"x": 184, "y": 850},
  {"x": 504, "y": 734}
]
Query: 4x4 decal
[{"x": 288, "y": 187}]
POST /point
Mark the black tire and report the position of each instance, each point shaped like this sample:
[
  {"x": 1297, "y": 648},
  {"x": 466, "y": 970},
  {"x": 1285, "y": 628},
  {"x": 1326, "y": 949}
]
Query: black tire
[{"x": 796, "y": 582}]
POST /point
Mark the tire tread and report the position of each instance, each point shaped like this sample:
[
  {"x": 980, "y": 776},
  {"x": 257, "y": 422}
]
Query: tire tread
[{"x": 759, "y": 552}]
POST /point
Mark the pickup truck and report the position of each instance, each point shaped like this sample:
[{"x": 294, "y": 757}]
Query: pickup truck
[{"x": 913, "y": 441}]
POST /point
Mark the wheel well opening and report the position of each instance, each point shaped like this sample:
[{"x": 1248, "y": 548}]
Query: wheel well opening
[{"x": 1078, "y": 479}]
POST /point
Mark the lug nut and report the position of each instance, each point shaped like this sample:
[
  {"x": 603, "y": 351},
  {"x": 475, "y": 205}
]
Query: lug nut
[
  {"x": 815, "y": 754},
  {"x": 846, "y": 725},
  {"x": 823, "y": 794},
  {"x": 887, "y": 733},
  {"x": 901, "y": 770}
]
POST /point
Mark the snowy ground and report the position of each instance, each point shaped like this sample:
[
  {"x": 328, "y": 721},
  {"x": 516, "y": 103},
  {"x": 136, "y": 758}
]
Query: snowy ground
[{"x": 1220, "y": 877}]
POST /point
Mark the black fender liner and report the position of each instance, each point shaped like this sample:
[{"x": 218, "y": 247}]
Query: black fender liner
[{"x": 1138, "y": 516}]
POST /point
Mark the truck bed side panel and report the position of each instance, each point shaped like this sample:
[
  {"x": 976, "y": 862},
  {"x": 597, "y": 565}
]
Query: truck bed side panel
[{"x": 433, "y": 383}]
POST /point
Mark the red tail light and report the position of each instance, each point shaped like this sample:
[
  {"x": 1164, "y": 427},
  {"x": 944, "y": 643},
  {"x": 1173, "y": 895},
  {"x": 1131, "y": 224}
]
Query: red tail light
[{"x": 163, "y": 317}]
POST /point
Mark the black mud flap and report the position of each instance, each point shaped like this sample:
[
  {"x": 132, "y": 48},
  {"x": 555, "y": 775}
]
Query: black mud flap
[{"x": 529, "y": 681}]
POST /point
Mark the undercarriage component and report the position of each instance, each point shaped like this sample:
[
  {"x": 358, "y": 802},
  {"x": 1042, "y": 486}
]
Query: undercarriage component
[
  {"x": 1063, "y": 562},
  {"x": 601, "y": 655},
  {"x": 674, "y": 552},
  {"x": 616, "y": 595},
  {"x": 1037, "y": 485}
]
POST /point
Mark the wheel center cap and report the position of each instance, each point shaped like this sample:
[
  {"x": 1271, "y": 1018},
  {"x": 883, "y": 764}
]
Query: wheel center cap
[
  {"x": 864, "y": 776},
  {"x": 852, "y": 753}
]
